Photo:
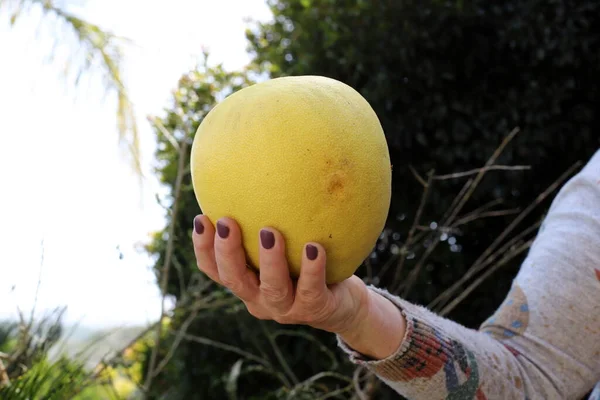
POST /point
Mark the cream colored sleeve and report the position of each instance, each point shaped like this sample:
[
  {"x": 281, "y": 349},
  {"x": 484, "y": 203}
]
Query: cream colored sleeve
[{"x": 544, "y": 340}]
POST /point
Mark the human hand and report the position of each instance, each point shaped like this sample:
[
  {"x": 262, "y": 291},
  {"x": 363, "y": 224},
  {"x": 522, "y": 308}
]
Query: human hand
[{"x": 271, "y": 294}]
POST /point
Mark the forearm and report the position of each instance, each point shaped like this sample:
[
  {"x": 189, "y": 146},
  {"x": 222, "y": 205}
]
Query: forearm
[
  {"x": 439, "y": 359},
  {"x": 380, "y": 331},
  {"x": 542, "y": 342}
]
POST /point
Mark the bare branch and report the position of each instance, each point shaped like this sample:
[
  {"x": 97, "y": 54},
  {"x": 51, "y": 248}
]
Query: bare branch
[
  {"x": 279, "y": 355},
  {"x": 471, "y": 185},
  {"x": 473, "y": 216},
  {"x": 417, "y": 176},
  {"x": 409, "y": 240},
  {"x": 439, "y": 301},
  {"x": 356, "y": 382},
  {"x": 227, "y": 347},
  {"x": 457, "y": 175},
  {"x": 464, "y": 293},
  {"x": 37, "y": 288},
  {"x": 104, "y": 363},
  {"x": 167, "y": 263},
  {"x": 178, "y": 338}
]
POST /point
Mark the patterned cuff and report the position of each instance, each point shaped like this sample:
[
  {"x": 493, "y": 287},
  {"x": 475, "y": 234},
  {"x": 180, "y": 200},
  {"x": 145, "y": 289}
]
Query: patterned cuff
[{"x": 422, "y": 354}]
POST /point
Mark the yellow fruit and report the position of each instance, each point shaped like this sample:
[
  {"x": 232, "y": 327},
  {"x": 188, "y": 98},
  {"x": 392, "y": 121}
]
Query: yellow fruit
[{"x": 305, "y": 155}]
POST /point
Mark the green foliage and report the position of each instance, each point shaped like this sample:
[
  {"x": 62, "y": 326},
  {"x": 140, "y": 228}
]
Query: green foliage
[
  {"x": 448, "y": 80},
  {"x": 60, "y": 380},
  {"x": 27, "y": 372},
  {"x": 197, "y": 92}
]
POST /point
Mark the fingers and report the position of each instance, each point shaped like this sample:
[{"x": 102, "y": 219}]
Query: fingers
[
  {"x": 231, "y": 261},
  {"x": 312, "y": 287},
  {"x": 203, "y": 238},
  {"x": 220, "y": 255},
  {"x": 276, "y": 288}
]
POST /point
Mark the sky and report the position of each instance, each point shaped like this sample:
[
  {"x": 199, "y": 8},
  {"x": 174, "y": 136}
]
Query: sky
[{"x": 70, "y": 203}]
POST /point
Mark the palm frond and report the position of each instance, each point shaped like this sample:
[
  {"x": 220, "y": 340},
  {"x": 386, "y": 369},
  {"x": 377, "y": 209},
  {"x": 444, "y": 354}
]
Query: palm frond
[{"x": 101, "y": 49}]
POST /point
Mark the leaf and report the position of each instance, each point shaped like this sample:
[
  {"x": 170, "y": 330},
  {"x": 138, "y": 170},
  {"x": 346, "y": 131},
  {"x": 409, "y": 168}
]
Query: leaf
[{"x": 102, "y": 50}]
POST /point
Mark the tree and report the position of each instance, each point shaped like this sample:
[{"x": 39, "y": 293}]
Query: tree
[
  {"x": 449, "y": 81},
  {"x": 98, "y": 50}
]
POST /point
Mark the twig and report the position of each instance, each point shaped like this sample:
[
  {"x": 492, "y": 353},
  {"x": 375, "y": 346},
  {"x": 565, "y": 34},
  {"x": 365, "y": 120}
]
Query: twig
[
  {"x": 446, "y": 295},
  {"x": 483, "y": 277},
  {"x": 459, "y": 196},
  {"x": 37, "y": 288},
  {"x": 179, "y": 269},
  {"x": 104, "y": 363},
  {"x": 167, "y": 264},
  {"x": 459, "y": 202},
  {"x": 541, "y": 197},
  {"x": 356, "y": 382},
  {"x": 324, "y": 374},
  {"x": 472, "y": 184},
  {"x": 310, "y": 338},
  {"x": 227, "y": 347},
  {"x": 409, "y": 240},
  {"x": 473, "y": 217},
  {"x": 334, "y": 393},
  {"x": 417, "y": 176},
  {"x": 486, "y": 207},
  {"x": 483, "y": 169},
  {"x": 282, "y": 361},
  {"x": 178, "y": 338},
  {"x": 412, "y": 277}
]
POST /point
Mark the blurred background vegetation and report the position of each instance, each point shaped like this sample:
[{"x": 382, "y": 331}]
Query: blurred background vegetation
[{"x": 487, "y": 109}]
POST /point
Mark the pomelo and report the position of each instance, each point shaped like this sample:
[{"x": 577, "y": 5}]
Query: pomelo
[{"x": 305, "y": 155}]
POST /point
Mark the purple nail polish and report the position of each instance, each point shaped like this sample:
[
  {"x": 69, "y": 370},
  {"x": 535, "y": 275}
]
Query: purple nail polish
[
  {"x": 267, "y": 239},
  {"x": 312, "y": 252},
  {"x": 198, "y": 227},
  {"x": 222, "y": 230}
]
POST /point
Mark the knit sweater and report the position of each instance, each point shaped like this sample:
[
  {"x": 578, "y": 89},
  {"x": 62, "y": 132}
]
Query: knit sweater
[{"x": 543, "y": 342}]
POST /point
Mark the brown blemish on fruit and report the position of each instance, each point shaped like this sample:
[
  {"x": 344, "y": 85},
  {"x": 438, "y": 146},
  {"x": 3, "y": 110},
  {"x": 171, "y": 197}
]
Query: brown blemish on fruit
[
  {"x": 336, "y": 171},
  {"x": 336, "y": 184}
]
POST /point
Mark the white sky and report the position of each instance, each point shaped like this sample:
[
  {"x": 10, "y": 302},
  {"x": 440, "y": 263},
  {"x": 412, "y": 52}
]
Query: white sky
[{"x": 63, "y": 177}]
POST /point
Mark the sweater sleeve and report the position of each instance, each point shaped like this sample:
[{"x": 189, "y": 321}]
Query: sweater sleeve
[{"x": 543, "y": 342}]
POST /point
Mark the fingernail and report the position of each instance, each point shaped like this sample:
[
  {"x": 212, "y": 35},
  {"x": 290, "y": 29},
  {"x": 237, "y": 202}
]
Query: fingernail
[
  {"x": 267, "y": 239},
  {"x": 312, "y": 252},
  {"x": 198, "y": 227},
  {"x": 222, "y": 230}
]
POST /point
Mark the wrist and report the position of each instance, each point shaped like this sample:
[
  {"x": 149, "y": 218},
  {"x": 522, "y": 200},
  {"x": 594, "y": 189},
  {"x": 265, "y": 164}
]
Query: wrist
[{"x": 379, "y": 328}]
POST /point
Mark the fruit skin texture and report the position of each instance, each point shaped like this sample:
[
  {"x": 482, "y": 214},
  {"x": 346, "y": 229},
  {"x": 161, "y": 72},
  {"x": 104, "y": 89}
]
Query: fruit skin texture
[{"x": 305, "y": 155}]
